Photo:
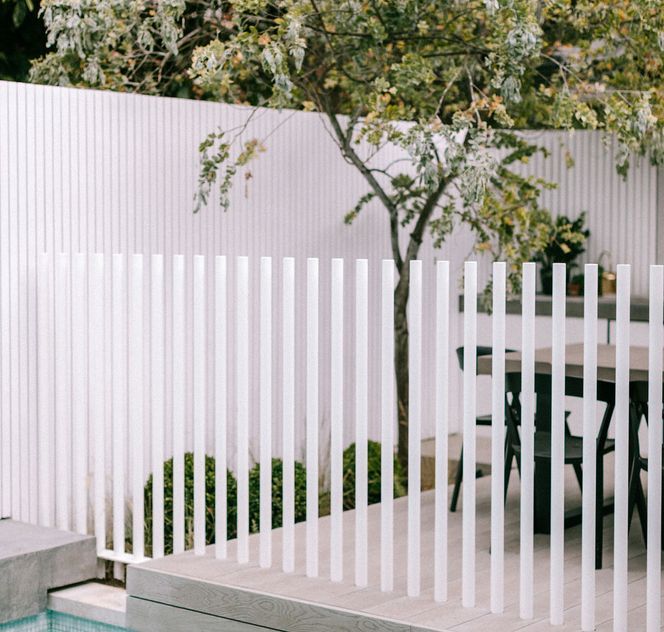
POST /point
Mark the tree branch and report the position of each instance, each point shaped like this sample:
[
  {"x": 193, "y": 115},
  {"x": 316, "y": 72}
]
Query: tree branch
[{"x": 344, "y": 141}]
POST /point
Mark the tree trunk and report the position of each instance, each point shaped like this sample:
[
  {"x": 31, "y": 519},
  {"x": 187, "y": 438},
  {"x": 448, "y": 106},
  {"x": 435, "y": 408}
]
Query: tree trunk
[{"x": 401, "y": 294}]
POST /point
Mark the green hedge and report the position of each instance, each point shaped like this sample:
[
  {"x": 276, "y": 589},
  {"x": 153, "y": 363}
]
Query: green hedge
[
  {"x": 231, "y": 499},
  {"x": 373, "y": 472},
  {"x": 373, "y": 475}
]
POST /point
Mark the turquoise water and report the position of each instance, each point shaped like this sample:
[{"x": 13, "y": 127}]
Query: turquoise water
[{"x": 50, "y": 621}]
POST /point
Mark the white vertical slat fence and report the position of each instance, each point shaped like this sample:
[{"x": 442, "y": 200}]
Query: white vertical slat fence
[
  {"x": 588, "y": 584},
  {"x": 655, "y": 368},
  {"x": 73, "y": 296},
  {"x": 469, "y": 406}
]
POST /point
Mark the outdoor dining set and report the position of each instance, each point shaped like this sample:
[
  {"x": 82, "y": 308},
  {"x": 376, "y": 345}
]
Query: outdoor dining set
[{"x": 573, "y": 445}]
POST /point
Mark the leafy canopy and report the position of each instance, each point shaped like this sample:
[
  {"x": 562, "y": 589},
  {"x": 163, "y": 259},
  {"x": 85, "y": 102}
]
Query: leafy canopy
[{"x": 445, "y": 81}]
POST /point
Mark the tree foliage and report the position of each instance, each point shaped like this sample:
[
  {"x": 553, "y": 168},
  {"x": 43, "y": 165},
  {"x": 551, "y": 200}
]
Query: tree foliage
[{"x": 446, "y": 82}]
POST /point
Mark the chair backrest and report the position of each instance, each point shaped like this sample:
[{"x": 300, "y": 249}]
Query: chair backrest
[
  {"x": 543, "y": 387},
  {"x": 480, "y": 351},
  {"x": 638, "y": 397}
]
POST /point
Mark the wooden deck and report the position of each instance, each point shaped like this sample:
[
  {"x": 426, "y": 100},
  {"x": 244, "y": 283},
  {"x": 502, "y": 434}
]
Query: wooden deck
[{"x": 222, "y": 595}]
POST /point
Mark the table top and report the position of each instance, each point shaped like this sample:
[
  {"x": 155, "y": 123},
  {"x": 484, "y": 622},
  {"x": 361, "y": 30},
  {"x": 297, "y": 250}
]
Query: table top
[{"x": 606, "y": 362}]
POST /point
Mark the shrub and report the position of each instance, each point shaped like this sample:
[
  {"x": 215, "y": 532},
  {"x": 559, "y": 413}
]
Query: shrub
[
  {"x": 231, "y": 523},
  {"x": 373, "y": 475},
  {"x": 277, "y": 494}
]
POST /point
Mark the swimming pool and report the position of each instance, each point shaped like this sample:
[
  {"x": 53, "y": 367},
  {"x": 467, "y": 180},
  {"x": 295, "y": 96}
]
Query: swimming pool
[{"x": 51, "y": 621}]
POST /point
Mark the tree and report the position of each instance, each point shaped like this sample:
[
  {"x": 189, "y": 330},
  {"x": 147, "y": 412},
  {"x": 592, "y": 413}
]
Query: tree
[{"x": 446, "y": 82}]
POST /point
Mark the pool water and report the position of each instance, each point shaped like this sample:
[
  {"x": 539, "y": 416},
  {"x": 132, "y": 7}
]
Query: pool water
[{"x": 50, "y": 621}]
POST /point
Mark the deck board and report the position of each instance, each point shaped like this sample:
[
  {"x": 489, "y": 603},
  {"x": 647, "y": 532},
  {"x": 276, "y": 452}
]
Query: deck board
[{"x": 269, "y": 598}]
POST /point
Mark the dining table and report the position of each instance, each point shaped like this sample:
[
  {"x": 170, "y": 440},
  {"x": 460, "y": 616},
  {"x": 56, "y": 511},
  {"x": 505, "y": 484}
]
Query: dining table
[{"x": 606, "y": 372}]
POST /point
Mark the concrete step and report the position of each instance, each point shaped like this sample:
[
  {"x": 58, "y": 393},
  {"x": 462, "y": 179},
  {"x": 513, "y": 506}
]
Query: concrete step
[
  {"x": 35, "y": 560},
  {"x": 91, "y": 600}
]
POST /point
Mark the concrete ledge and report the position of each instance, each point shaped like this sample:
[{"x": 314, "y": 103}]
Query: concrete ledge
[
  {"x": 38, "y": 559},
  {"x": 91, "y": 600}
]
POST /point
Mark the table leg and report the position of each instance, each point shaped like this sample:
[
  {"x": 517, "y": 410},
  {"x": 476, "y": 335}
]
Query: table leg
[{"x": 542, "y": 500}]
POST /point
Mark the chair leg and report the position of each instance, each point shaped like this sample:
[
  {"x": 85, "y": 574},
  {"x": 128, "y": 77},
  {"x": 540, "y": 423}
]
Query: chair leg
[
  {"x": 509, "y": 457},
  {"x": 579, "y": 475},
  {"x": 457, "y": 482},
  {"x": 599, "y": 512},
  {"x": 641, "y": 505}
]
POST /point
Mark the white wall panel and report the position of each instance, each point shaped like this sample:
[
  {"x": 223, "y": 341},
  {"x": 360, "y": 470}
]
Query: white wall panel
[{"x": 86, "y": 171}]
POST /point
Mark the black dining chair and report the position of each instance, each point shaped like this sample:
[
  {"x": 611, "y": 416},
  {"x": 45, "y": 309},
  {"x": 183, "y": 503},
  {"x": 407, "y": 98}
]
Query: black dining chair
[
  {"x": 481, "y": 420},
  {"x": 573, "y": 443},
  {"x": 639, "y": 463}
]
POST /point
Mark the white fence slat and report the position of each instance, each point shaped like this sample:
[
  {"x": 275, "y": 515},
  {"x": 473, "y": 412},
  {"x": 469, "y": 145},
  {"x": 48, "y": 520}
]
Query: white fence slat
[
  {"x": 179, "y": 414},
  {"x": 79, "y": 355},
  {"x": 361, "y": 412},
  {"x": 119, "y": 380},
  {"x": 526, "y": 568},
  {"x": 312, "y": 419},
  {"x": 157, "y": 405},
  {"x": 387, "y": 421},
  {"x": 199, "y": 375},
  {"x": 266, "y": 413},
  {"x": 135, "y": 402},
  {"x": 242, "y": 427},
  {"x": 221, "y": 406},
  {"x": 6, "y": 452},
  {"x": 96, "y": 392},
  {"x": 498, "y": 439},
  {"x": 469, "y": 405},
  {"x": 442, "y": 428},
  {"x": 414, "y": 427},
  {"x": 336, "y": 420},
  {"x": 558, "y": 444},
  {"x": 62, "y": 392},
  {"x": 621, "y": 484},
  {"x": 589, "y": 447},
  {"x": 45, "y": 386},
  {"x": 654, "y": 532},
  {"x": 288, "y": 412}
]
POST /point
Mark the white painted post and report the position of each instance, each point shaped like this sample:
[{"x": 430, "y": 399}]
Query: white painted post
[
  {"x": 242, "y": 396},
  {"x": 498, "y": 439},
  {"x": 119, "y": 381},
  {"x": 526, "y": 568},
  {"x": 336, "y": 419},
  {"x": 97, "y": 399},
  {"x": 220, "y": 407},
  {"x": 361, "y": 407},
  {"x": 45, "y": 389},
  {"x": 79, "y": 355},
  {"x": 266, "y": 413},
  {"x": 312, "y": 419},
  {"x": 654, "y": 552},
  {"x": 62, "y": 394},
  {"x": 387, "y": 421},
  {"x": 179, "y": 413},
  {"x": 157, "y": 401},
  {"x": 442, "y": 428},
  {"x": 558, "y": 444},
  {"x": 469, "y": 405},
  {"x": 136, "y": 413},
  {"x": 414, "y": 426},
  {"x": 288, "y": 412},
  {"x": 589, "y": 447},
  {"x": 200, "y": 376},
  {"x": 621, "y": 485}
]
